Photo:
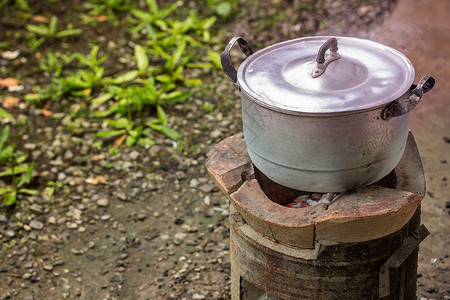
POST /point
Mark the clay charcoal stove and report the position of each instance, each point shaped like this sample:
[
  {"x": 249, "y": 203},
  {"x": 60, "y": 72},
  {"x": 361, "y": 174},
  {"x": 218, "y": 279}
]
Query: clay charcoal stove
[{"x": 291, "y": 244}]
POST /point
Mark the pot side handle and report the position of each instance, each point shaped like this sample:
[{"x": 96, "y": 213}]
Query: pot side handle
[
  {"x": 403, "y": 106},
  {"x": 225, "y": 57}
]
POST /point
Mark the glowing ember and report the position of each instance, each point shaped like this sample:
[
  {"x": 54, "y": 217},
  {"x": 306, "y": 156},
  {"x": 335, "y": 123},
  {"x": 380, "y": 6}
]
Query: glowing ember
[{"x": 312, "y": 199}]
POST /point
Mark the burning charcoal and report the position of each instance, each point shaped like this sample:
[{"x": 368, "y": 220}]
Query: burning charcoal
[{"x": 310, "y": 202}]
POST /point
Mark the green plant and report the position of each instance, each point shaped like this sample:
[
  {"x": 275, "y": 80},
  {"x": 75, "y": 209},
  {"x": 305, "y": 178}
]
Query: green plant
[
  {"x": 109, "y": 7},
  {"x": 12, "y": 165},
  {"x": 223, "y": 8},
  {"x": 40, "y": 34}
]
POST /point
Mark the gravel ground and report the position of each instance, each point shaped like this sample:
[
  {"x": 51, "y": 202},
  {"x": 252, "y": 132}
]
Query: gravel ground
[{"x": 146, "y": 223}]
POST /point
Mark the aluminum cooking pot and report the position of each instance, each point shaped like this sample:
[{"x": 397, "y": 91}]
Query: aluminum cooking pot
[{"x": 323, "y": 122}]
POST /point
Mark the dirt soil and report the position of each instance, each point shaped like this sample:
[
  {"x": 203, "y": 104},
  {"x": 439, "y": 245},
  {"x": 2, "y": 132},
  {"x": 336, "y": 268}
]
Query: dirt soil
[{"x": 149, "y": 223}]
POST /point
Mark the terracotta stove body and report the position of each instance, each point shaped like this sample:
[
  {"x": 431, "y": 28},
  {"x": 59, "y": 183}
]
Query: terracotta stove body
[{"x": 363, "y": 245}]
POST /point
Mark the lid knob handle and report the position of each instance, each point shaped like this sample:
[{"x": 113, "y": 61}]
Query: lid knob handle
[{"x": 322, "y": 63}]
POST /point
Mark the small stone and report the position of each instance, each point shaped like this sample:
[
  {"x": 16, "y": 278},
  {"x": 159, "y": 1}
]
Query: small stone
[
  {"x": 141, "y": 216},
  {"x": 58, "y": 262},
  {"x": 32, "y": 236},
  {"x": 198, "y": 296},
  {"x": 194, "y": 183},
  {"x": 122, "y": 196},
  {"x": 71, "y": 225},
  {"x": 105, "y": 217},
  {"x": 103, "y": 202},
  {"x": 9, "y": 233},
  {"x": 178, "y": 221},
  {"x": 215, "y": 133},
  {"x": 134, "y": 155},
  {"x": 10, "y": 55},
  {"x": 36, "y": 208},
  {"x": 28, "y": 265},
  {"x": 180, "y": 236},
  {"x": 35, "y": 224},
  {"x": 91, "y": 245},
  {"x": 27, "y": 276},
  {"x": 61, "y": 176},
  {"x": 77, "y": 251},
  {"x": 3, "y": 219},
  {"x": 47, "y": 267},
  {"x": 207, "y": 200},
  {"x": 51, "y": 220}
]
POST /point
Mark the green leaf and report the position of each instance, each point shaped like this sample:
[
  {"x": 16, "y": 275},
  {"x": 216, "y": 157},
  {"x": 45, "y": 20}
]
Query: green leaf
[
  {"x": 4, "y": 137},
  {"x": 121, "y": 123},
  {"x": 130, "y": 141},
  {"x": 177, "y": 54},
  {"x": 124, "y": 78},
  {"x": 174, "y": 97},
  {"x": 214, "y": 57},
  {"x": 113, "y": 108},
  {"x": 68, "y": 32},
  {"x": 101, "y": 99},
  {"x": 110, "y": 133},
  {"x": 4, "y": 114},
  {"x": 15, "y": 170},
  {"x": 29, "y": 191},
  {"x": 26, "y": 177},
  {"x": 52, "y": 25},
  {"x": 208, "y": 23},
  {"x": 161, "y": 114},
  {"x": 141, "y": 58},
  {"x": 166, "y": 130},
  {"x": 41, "y": 30},
  {"x": 223, "y": 9},
  {"x": 10, "y": 198},
  {"x": 4, "y": 190},
  {"x": 146, "y": 17},
  {"x": 146, "y": 142},
  {"x": 21, "y": 159},
  {"x": 8, "y": 152},
  {"x": 153, "y": 6}
]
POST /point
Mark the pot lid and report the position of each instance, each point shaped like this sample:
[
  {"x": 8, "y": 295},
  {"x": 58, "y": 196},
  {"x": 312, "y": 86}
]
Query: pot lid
[{"x": 294, "y": 77}]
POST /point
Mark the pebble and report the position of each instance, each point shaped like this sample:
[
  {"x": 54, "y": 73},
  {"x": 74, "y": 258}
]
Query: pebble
[
  {"x": 215, "y": 133},
  {"x": 47, "y": 267},
  {"x": 103, "y": 202},
  {"x": 134, "y": 155},
  {"x": 141, "y": 216},
  {"x": 3, "y": 219},
  {"x": 198, "y": 296},
  {"x": 122, "y": 196},
  {"x": 77, "y": 251},
  {"x": 36, "y": 208},
  {"x": 9, "y": 233},
  {"x": 61, "y": 176},
  {"x": 207, "y": 200},
  {"x": 35, "y": 224},
  {"x": 105, "y": 217},
  {"x": 180, "y": 236},
  {"x": 194, "y": 183}
]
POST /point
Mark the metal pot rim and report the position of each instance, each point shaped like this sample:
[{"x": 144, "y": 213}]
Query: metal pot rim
[{"x": 367, "y": 76}]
